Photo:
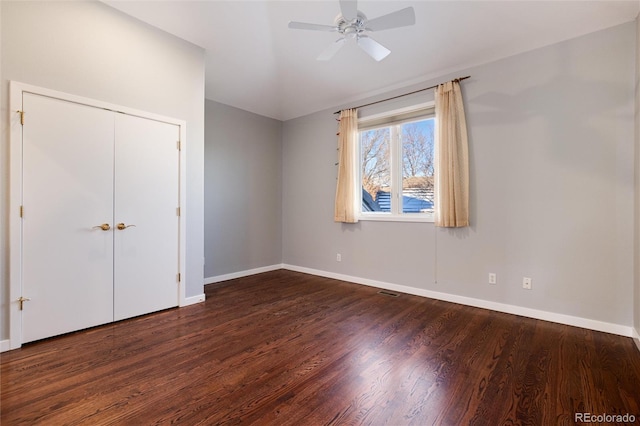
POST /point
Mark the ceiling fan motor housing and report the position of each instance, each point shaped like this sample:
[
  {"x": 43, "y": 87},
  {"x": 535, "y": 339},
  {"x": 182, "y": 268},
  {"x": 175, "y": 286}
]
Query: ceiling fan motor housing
[{"x": 353, "y": 28}]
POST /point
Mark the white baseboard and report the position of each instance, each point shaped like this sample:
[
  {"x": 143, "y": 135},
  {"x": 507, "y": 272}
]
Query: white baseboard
[
  {"x": 234, "y": 275},
  {"x": 193, "y": 300},
  {"x": 5, "y": 345},
  {"x": 636, "y": 337},
  {"x": 478, "y": 303}
]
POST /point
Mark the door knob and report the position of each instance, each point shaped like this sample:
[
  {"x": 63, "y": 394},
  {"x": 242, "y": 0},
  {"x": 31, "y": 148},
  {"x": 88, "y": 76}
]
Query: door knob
[
  {"x": 122, "y": 226},
  {"x": 104, "y": 227}
]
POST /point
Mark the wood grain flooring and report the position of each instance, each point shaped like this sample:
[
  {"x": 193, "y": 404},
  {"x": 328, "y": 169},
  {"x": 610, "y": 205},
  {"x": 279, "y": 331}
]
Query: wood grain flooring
[{"x": 285, "y": 348}]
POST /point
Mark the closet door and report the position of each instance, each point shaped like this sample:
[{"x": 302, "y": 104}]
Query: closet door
[
  {"x": 146, "y": 202},
  {"x": 67, "y": 259}
]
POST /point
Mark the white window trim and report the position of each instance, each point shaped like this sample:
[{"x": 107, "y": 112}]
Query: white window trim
[
  {"x": 389, "y": 217},
  {"x": 396, "y": 178}
]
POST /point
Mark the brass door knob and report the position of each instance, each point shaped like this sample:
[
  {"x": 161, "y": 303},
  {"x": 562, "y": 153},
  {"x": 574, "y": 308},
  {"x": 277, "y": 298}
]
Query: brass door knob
[
  {"x": 104, "y": 227},
  {"x": 122, "y": 226}
]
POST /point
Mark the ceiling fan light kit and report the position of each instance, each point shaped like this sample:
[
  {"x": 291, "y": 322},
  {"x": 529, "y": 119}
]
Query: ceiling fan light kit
[{"x": 353, "y": 24}]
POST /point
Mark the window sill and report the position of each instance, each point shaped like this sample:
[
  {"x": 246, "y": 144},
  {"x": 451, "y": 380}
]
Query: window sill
[{"x": 395, "y": 218}]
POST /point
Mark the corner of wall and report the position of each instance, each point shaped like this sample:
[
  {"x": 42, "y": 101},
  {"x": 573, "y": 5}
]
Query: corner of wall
[{"x": 636, "y": 286}]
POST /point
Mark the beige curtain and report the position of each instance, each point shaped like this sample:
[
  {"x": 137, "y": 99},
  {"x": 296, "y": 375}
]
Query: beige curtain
[
  {"x": 346, "y": 187},
  {"x": 451, "y": 171}
]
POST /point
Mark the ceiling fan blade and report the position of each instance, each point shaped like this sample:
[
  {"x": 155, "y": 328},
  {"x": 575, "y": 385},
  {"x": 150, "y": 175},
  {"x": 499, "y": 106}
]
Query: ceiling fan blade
[
  {"x": 401, "y": 18},
  {"x": 349, "y": 9},
  {"x": 315, "y": 27},
  {"x": 331, "y": 50},
  {"x": 373, "y": 48}
]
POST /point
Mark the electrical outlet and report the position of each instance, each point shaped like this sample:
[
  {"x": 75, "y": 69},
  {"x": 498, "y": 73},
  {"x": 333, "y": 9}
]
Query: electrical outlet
[
  {"x": 492, "y": 278},
  {"x": 526, "y": 283},
  {"x": 338, "y": 257}
]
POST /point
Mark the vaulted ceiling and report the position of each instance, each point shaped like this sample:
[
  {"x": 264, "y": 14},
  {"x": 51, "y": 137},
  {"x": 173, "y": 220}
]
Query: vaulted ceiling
[{"x": 254, "y": 62}]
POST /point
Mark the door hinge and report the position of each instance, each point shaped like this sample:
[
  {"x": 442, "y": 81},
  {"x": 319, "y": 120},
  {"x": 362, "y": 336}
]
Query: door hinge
[
  {"x": 179, "y": 277},
  {"x": 21, "y": 300},
  {"x": 21, "y": 117},
  {"x": 179, "y": 146},
  {"x": 21, "y": 211},
  {"x": 178, "y": 211}
]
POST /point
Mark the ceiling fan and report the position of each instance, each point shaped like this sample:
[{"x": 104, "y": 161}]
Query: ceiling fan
[{"x": 353, "y": 24}]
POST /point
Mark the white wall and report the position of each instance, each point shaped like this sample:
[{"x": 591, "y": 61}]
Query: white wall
[
  {"x": 90, "y": 49},
  {"x": 243, "y": 191},
  {"x": 4, "y": 197},
  {"x": 552, "y": 165}
]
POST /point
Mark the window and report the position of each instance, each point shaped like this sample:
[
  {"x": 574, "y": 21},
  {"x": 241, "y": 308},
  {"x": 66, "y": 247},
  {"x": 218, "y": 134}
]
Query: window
[{"x": 396, "y": 159}]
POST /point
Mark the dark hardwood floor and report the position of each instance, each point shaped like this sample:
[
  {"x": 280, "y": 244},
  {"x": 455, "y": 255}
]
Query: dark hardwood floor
[{"x": 286, "y": 348}]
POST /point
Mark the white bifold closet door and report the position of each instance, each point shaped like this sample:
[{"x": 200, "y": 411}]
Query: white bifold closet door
[{"x": 86, "y": 170}]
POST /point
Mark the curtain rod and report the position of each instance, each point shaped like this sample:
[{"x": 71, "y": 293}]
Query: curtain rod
[{"x": 400, "y": 96}]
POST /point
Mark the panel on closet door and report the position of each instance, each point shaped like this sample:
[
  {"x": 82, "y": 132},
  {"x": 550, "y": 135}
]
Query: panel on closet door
[
  {"x": 146, "y": 199},
  {"x": 67, "y": 194}
]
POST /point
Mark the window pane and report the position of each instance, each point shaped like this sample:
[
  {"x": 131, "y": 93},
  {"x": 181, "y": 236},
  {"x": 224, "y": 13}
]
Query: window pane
[
  {"x": 417, "y": 166},
  {"x": 376, "y": 173}
]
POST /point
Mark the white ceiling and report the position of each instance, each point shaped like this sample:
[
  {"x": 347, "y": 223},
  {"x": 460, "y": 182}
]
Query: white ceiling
[{"x": 254, "y": 62}]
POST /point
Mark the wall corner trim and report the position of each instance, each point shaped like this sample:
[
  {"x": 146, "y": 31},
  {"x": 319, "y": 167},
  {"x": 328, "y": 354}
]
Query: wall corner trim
[
  {"x": 636, "y": 337},
  {"x": 587, "y": 323},
  {"x": 240, "y": 274}
]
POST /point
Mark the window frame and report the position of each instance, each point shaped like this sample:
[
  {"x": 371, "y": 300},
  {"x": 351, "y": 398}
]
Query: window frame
[{"x": 392, "y": 119}]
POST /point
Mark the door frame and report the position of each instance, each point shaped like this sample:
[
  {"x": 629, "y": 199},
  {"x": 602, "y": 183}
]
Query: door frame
[{"x": 16, "y": 90}]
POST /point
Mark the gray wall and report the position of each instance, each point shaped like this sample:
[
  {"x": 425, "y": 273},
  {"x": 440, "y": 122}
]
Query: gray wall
[
  {"x": 552, "y": 163},
  {"x": 243, "y": 191},
  {"x": 637, "y": 211},
  {"x": 89, "y": 49}
]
